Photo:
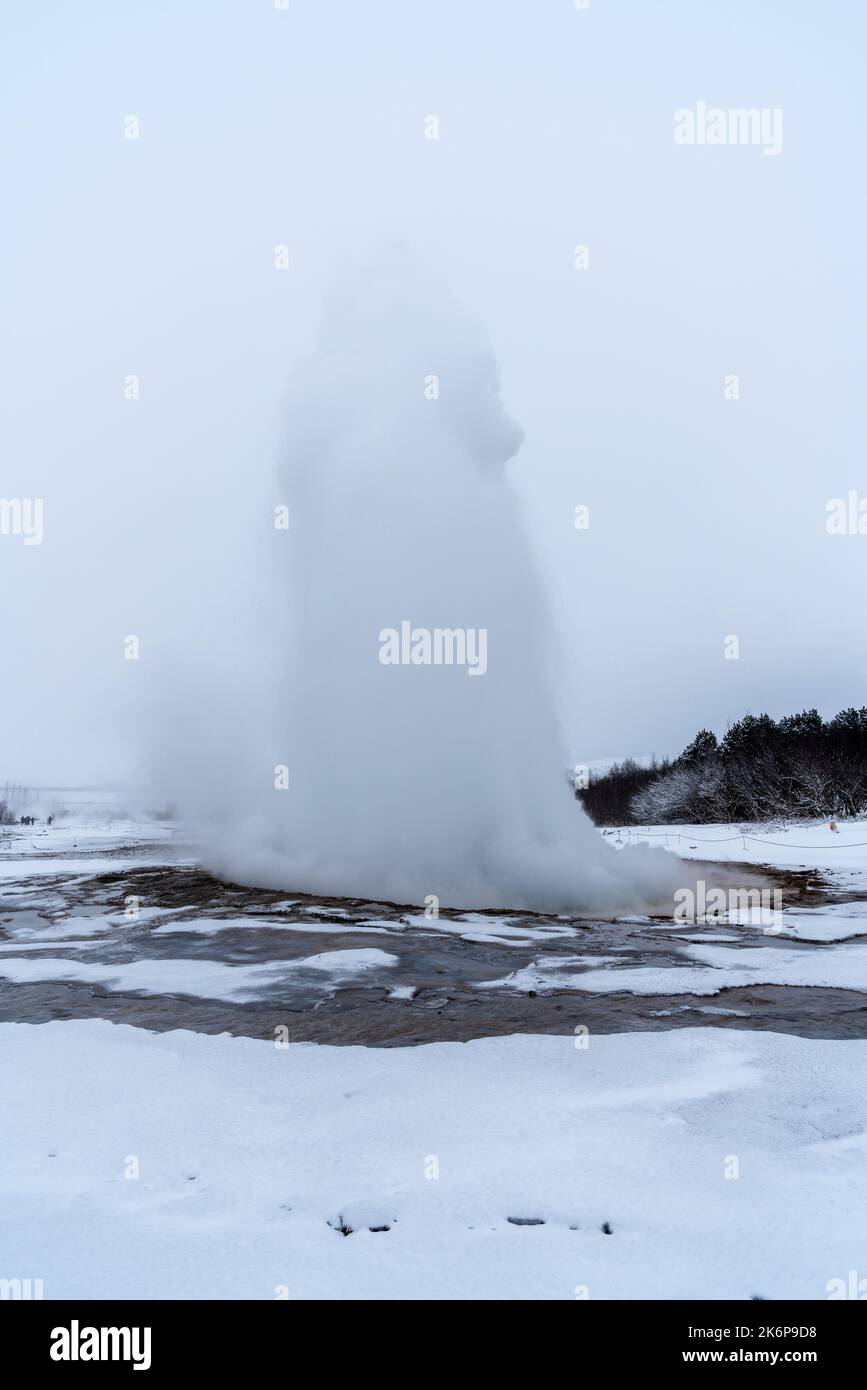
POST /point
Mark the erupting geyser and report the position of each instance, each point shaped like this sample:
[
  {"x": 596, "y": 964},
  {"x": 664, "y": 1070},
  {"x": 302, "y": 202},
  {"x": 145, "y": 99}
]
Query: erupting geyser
[{"x": 415, "y": 713}]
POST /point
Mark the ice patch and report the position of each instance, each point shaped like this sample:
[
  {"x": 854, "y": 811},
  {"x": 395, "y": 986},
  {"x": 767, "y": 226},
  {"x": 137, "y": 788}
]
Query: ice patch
[{"x": 205, "y": 979}]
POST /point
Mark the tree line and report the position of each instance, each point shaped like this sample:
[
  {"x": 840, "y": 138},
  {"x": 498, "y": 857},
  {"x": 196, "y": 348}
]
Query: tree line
[{"x": 762, "y": 769}]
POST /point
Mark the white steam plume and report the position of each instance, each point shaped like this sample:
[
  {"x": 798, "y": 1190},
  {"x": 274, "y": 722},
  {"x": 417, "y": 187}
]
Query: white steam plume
[{"x": 405, "y": 780}]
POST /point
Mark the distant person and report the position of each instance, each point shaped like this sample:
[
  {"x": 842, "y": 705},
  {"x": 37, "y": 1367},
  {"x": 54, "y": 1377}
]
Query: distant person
[{"x": 50, "y": 819}]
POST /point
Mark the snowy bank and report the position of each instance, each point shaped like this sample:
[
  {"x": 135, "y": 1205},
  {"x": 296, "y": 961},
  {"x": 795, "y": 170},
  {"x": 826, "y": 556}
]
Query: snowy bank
[{"x": 693, "y": 1164}]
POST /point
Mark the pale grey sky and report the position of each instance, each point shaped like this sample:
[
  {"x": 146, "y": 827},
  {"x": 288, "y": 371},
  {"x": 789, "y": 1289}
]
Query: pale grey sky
[{"x": 306, "y": 127}]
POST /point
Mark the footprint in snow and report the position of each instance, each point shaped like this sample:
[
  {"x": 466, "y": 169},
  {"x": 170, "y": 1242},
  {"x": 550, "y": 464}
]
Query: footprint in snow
[{"x": 359, "y": 1218}]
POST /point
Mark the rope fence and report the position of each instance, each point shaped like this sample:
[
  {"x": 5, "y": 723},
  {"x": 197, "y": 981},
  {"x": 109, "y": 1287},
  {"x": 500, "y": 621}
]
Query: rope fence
[{"x": 728, "y": 839}]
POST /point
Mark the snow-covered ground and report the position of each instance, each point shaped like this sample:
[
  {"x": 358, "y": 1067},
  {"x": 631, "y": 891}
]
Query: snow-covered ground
[
  {"x": 95, "y": 834},
  {"x": 696, "y": 1163},
  {"x": 60, "y": 845},
  {"x": 797, "y": 845},
  {"x": 717, "y": 967}
]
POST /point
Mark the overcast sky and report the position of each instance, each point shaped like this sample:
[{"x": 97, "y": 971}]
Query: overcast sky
[{"x": 261, "y": 127}]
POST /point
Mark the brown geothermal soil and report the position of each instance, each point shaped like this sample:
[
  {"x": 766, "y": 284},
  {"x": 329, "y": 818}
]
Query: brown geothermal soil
[{"x": 446, "y": 964}]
